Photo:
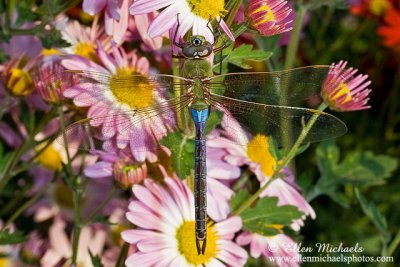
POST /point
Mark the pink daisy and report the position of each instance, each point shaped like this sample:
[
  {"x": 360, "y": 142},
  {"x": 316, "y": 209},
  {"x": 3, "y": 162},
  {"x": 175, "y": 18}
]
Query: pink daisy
[
  {"x": 112, "y": 105},
  {"x": 271, "y": 246},
  {"x": 164, "y": 233},
  {"x": 255, "y": 153},
  {"x": 116, "y": 15},
  {"x": 193, "y": 15},
  {"x": 343, "y": 91},
  {"x": 269, "y": 17}
]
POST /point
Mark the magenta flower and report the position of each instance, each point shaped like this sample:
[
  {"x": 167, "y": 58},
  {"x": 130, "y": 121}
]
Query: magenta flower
[
  {"x": 343, "y": 91},
  {"x": 164, "y": 233},
  {"x": 269, "y": 17},
  {"x": 193, "y": 15},
  {"x": 112, "y": 105},
  {"x": 271, "y": 246},
  {"x": 115, "y": 15}
]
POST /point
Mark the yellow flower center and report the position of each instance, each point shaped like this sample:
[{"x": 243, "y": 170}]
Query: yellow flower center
[
  {"x": 50, "y": 52},
  {"x": 50, "y": 158},
  {"x": 63, "y": 196},
  {"x": 207, "y": 9},
  {"x": 187, "y": 243},
  {"x": 258, "y": 152},
  {"x": 4, "y": 261},
  {"x": 129, "y": 91},
  {"x": 341, "y": 90},
  {"x": 378, "y": 7},
  {"x": 86, "y": 50},
  {"x": 268, "y": 16},
  {"x": 20, "y": 82}
]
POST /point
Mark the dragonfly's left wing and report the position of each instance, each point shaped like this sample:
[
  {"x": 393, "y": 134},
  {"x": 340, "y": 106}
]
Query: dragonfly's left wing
[
  {"x": 277, "y": 121},
  {"x": 288, "y": 87}
]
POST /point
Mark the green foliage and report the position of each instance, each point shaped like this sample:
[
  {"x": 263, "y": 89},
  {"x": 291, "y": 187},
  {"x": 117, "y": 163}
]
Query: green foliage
[
  {"x": 263, "y": 218},
  {"x": 372, "y": 212},
  {"x": 182, "y": 149},
  {"x": 7, "y": 237},
  {"x": 357, "y": 168},
  {"x": 240, "y": 55},
  {"x": 96, "y": 261},
  {"x": 315, "y": 4},
  {"x": 239, "y": 198}
]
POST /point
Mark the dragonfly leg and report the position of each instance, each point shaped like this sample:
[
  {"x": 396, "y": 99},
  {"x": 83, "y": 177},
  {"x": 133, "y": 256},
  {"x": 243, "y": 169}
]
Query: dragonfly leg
[{"x": 201, "y": 246}]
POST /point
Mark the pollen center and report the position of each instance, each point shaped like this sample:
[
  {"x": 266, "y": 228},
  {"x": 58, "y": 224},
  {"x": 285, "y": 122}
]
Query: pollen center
[
  {"x": 262, "y": 15},
  {"x": 258, "y": 152},
  {"x": 340, "y": 91},
  {"x": 50, "y": 158},
  {"x": 134, "y": 92},
  {"x": 86, "y": 50},
  {"x": 187, "y": 243},
  {"x": 207, "y": 9}
]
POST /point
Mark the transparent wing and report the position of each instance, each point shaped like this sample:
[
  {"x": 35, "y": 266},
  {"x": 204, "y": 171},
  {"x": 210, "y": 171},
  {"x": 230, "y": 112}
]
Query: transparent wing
[
  {"x": 157, "y": 97},
  {"x": 280, "y": 122},
  {"x": 295, "y": 87}
]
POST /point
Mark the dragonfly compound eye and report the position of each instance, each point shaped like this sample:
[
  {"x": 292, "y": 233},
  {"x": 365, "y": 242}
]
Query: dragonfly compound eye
[{"x": 197, "y": 41}]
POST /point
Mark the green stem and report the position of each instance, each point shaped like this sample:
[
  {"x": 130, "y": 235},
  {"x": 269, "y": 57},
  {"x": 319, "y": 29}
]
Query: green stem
[
  {"x": 122, "y": 255},
  {"x": 77, "y": 197},
  {"x": 101, "y": 206},
  {"x": 243, "y": 179},
  {"x": 242, "y": 28},
  {"x": 233, "y": 12},
  {"x": 62, "y": 126},
  {"x": 4, "y": 105},
  {"x": 30, "y": 201},
  {"x": 10, "y": 165},
  {"x": 393, "y": 245},
  {"x": 294, "y": 38},
  {"x": 290, "y": 155}
]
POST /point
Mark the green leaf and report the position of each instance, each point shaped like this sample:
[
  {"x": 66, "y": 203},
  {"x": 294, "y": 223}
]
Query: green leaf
[
  {"x": 182, "y": 149},
  {"x": 16, "y": 237},
  {"x": 213, "y": 121},
  {"x": 365, "y": 168},
  {"x": 360, "y": 168},
  {"x": 245, "y": 52},
  {"x": 264, "y": 218},
  {"x": 96, "y": 261},
  {"x": 239, "y": 198},
  {"x": 372, "y": 211}
]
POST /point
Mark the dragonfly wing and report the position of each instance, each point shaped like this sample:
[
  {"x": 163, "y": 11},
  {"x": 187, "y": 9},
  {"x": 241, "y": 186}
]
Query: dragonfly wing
[
  {"x": 301, "y": 86},
  {"x": 268, "y": 120},
  {"x": 98, "y": 132},
  {"x": 133, "y": 102}
]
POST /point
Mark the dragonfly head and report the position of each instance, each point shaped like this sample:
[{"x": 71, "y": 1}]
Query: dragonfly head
[{"x": 197, "y": 47}]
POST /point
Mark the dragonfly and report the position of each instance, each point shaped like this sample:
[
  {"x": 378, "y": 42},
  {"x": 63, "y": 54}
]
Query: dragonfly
[{"x": 249, "y": 99}]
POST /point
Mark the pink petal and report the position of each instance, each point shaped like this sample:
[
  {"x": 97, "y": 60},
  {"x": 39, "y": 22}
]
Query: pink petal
[{"x": 93, "y": 7}]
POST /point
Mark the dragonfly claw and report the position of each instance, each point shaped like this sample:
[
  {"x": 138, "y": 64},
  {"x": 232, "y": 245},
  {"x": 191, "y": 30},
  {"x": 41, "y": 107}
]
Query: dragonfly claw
[{"x": 203, "y": 246}]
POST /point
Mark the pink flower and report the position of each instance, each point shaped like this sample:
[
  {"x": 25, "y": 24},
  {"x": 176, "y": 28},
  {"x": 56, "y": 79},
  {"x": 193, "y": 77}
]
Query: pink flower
[
  {"x": 257, "y": 155},
  {"x": 122, "y": 167},
  {"x": 271, "y": 246},
  {"x": 343, "y": 91},
  {"x": 269, "y": 17},
  {"x": 116, "y": 15},
  {"x": 111, "y": 104},
  {"x": 193, "y": 15},
  {"x": 61, "y": 246},
  {"x": 164, "y": 233}
]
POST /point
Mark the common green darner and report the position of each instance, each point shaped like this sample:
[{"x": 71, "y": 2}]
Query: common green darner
[{"x": 252, "y": 99}]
